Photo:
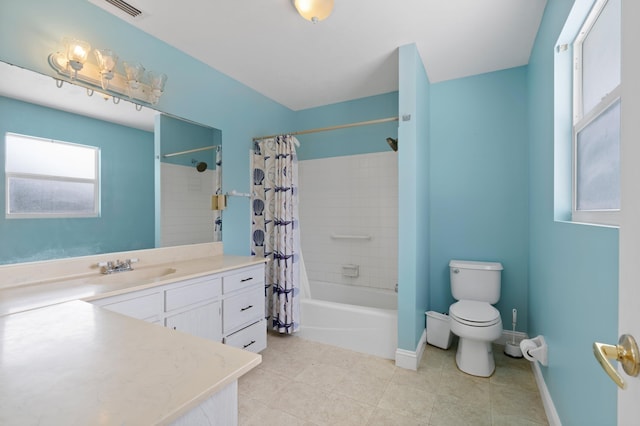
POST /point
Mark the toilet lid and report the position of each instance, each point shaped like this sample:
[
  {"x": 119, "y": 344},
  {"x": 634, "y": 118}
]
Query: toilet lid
[{"x": 472, "y": 312}]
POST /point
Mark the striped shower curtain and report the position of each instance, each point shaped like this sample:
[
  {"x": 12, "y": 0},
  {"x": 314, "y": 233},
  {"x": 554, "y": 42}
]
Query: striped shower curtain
[{"x": 275, "y": 232}]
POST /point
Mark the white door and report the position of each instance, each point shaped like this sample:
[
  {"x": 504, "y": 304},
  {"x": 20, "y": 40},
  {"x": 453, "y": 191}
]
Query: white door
[{"x": 629, "y": 287}]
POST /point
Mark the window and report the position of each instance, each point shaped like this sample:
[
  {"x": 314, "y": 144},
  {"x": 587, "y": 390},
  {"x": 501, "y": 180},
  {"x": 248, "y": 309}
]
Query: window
[
  {"x": 596, "y": 116},
  {"x": 47, "y": 178}
]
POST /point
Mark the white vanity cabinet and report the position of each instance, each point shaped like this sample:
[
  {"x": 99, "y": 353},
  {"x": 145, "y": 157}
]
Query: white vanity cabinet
[
  {"x": 243, "y": 304},
  {"x": 225, "y": 307},
  {"x": 203, "y": 321},
  {"x": 193, "y": 306}
]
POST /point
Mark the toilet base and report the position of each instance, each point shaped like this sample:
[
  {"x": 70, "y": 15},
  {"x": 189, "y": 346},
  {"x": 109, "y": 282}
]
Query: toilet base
[{"x": 475, "y": 357}]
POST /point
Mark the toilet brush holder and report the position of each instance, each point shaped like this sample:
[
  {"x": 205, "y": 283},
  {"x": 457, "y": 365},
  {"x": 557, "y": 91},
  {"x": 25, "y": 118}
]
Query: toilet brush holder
[{"x": 513, "y": 350}]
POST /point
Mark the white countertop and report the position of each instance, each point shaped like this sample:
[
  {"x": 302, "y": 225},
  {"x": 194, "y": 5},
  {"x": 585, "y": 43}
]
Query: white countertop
[
  {"x": 93, "y": 285},
  {"x": 75, "y": 363}
]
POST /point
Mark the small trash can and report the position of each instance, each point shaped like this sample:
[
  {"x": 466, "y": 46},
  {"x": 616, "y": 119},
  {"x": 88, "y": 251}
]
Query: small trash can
[{"x": 438, "y": 330}]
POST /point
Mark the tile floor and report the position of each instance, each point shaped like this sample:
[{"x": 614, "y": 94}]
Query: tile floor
[{"x": 305, "y": 383}]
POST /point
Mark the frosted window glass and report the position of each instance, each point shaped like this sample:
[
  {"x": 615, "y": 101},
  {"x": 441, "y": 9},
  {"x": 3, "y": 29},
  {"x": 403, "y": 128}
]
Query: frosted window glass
[
  {"x": 45, "y": 157},
  {"x": 601, "y": 56},
  {"x": 38, "y": 196},
  {"x": 47, "y": 178},
  {"x": 598, "y": 162}
]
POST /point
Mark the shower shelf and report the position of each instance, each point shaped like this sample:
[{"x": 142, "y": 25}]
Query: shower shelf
[{"x": 350, "y": 237}]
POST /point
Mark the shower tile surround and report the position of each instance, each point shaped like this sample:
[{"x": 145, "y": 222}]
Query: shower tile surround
[
  {"x": 187, "y": 217},
  {"x": 350, "y": 195},
  {"x": 321, "y": 385}
]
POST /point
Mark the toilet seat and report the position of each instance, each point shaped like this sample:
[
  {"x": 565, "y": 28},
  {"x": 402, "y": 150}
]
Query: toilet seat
[{"x": 474, "y": 313}]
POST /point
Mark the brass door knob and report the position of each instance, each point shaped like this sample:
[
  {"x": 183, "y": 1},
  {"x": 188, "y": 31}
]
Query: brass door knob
[{"x": 626, "y": 352}]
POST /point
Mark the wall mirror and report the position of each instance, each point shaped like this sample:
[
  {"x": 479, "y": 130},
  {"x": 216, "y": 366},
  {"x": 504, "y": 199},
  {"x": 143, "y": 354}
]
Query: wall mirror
[{"x": 158, "y": 172}]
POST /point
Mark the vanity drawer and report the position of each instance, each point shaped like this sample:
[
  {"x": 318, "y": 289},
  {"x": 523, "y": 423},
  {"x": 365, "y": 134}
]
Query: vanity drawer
[
  {"x": 192, "y": 291},
  {"x": 243, "y": 308},
  {"x": 145, "y": 307},
  {"x": 245, "y": 278},
  {"x": 252, "y": 338}
]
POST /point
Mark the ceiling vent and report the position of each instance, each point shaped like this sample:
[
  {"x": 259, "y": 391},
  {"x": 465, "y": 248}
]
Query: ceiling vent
[
  {"x": 122, "y": 9},
  {"x": 127, "y": 8}
]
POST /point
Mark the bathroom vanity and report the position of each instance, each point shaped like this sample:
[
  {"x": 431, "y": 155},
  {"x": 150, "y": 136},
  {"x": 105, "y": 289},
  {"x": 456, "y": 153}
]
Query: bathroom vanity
[
  {"x": 138, "y": 347},
  {"x": 225, "y": 307}
]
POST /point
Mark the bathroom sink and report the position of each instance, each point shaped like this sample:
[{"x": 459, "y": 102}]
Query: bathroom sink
[{"x": 136, "y": 276}]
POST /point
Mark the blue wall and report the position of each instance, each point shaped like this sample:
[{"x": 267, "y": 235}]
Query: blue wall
[
  {"x": 351, "y": 141},
  {"x": 127, "y": 207},
  {"x": 413, "y": 209},
  {"x": 176, "y": 135},
  {"x": 194, "y": 90},
  {"x": 479, "y": 193},
  {"x": 573, "y": 269}
]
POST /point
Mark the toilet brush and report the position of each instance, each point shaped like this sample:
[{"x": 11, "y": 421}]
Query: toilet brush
[{"x": 511, "y": 348}]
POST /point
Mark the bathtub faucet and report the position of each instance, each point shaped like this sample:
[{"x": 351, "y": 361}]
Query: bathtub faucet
[{"x": 110, "y": 267}]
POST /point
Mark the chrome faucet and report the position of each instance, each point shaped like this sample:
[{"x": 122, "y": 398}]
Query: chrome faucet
[{"x": 111, "y": 267}]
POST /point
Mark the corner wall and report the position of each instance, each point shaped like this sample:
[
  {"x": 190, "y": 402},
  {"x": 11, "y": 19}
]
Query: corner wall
[
  {"x": 479, "y": 193},
  {"x": 413, "y": 211}
]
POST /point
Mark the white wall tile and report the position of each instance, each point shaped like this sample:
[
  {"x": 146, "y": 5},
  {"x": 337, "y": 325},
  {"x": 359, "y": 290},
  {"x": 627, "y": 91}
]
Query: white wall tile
[
  {"x": 186, "y": 215},
  {"x": 352, "y": 195}
]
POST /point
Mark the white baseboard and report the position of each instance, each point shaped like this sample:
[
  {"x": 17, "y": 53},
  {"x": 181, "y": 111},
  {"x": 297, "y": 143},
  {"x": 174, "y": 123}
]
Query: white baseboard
[
  {"x": 410, "y": 359},
  {"x": 547, "y": 402}
]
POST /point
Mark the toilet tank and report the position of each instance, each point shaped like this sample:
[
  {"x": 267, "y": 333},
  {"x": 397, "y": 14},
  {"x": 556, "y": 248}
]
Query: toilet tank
[{"x": 475, "y": 280}]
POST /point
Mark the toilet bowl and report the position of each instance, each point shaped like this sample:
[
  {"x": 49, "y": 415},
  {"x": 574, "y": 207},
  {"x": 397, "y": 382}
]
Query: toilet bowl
[
  {"x": 477, "y": 324},
  {"x": 476, "y": 287}
]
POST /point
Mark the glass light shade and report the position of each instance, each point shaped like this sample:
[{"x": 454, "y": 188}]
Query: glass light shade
[
  {"x": 135, "y": 72},
  {"x": 156, "y": 81},
  {"x": 107, "y": 61},
  {"x": 77, "y": 52},
  {"x": 314, "y": 10}
]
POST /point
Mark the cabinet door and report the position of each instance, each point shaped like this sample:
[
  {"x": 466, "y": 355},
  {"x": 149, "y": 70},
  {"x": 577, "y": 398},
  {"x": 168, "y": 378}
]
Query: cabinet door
[{"x": 204, "y": 321}]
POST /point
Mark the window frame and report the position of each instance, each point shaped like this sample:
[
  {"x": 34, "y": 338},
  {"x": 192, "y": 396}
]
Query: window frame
[
  {"x": 95, "y": 181},
  {"x": 582, "y": 120}
]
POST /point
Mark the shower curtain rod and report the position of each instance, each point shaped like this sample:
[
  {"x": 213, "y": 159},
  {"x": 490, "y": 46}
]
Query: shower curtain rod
[
  {"x": 325, "y": 129},
  {"x": 173, "y": 154}
]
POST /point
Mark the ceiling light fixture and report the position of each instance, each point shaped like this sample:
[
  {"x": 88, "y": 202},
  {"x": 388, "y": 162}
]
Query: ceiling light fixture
[
  {"x": 135, "y": 84},
  {"x": 314, "y": 10}
]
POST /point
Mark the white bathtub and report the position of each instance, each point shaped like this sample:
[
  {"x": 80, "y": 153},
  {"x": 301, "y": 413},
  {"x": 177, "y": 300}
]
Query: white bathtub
[{"x": 368, "y": 323}]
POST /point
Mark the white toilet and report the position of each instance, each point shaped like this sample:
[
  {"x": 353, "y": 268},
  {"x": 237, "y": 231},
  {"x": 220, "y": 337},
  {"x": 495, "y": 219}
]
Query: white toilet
[{"x": 475, "y": 286}]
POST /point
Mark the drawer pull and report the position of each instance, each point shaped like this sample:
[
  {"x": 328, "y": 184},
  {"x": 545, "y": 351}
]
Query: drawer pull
[
  {"x": 245, "y": 308},
  {"x": 248, "y": 344},
  {"x": 246, "y": 279}
]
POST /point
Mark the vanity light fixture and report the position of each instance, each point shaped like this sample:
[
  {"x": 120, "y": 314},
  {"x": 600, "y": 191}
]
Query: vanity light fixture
[
  {"x": 314, "y": 10},
  {"x": 140, "y": 86},
  {"x": 76, "y": 52}
]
